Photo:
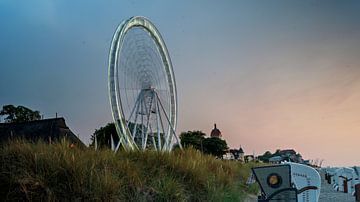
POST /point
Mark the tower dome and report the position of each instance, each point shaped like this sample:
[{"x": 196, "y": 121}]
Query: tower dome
[{"x": 215, "y": 132}]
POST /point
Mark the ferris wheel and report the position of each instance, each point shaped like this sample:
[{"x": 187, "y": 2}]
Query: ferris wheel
[{"x": 142, "y": 87}]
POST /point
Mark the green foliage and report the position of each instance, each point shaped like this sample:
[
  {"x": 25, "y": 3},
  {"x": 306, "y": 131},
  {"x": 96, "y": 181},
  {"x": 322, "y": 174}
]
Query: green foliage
[
  {"x": 196, "y": 139},
  {"x": 215, "y": 146},
  {"x": 19, "y": 114},
  {"x": 42, "y": 172},
  {"x": 193, "y": 139},
  {"x": 265, "y": 157},
  {"x": 103, "y": 136}
]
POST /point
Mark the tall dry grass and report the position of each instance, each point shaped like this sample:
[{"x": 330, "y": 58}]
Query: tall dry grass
[{"x": 42, "y": 172}]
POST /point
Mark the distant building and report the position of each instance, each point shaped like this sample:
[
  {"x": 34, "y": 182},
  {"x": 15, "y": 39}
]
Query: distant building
[
  {"x": 249, "y": 158},
  {"x": 234, "y": 154},
  {"x": 47, "y": 130},
  {"x": 287, "y": 152},
  {"x": 237, "y": 154},
  {"x": 289, "y": 155},
  {"x": 215, "y": 132},
  {"x": 275, "y": 159},
  {"x": 229, "y": 156},
  {"x": 241, "y": 154}
]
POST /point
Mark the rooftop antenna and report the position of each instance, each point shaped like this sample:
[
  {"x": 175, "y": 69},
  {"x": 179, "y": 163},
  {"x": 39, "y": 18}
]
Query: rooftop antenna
[{"x": 56, "y": 115}]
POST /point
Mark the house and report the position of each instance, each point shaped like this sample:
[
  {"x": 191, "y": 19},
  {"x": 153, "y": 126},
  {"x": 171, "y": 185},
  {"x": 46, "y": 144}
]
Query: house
[
  {"x": 275, "y": 159},
  {"x": 234, "y": 154},
  {"x": 228, "y": 156},
  {"x": 47, "y": 130},
  {"x": 291, "y": 155},
  {"x": 249, "y": 158},
  {"x": 288, "y": 155}
]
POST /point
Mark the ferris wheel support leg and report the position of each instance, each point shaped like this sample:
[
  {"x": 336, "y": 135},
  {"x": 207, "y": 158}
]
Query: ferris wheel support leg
[
  {"x": 162, "y": 127},
  {"x": 166, "y": 144},
  {"x": 127, "y": 139},
  {"x": 153, "y": 138},
  {"x": 148, "y": 121},
  {"x": 121, "y": 141},
  {"x": 142, "y": 123},
  {"x": 117, "y": 146},
  {"x": 170, "y": 126},
  {"x": 154, "y": 142},
  {"x": 133, "y": 110},
  {"x": 157, "y": 122},
  {"x": 135, "y": 122}
]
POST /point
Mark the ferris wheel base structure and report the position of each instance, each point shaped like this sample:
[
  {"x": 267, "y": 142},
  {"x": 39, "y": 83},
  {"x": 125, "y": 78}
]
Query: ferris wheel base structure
[{"x": 142, "y": 87}]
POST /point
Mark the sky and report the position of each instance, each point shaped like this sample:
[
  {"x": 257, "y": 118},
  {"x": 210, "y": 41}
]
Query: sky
[{"x": 271, "y": 74}]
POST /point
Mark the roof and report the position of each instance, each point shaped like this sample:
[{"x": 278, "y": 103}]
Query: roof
[
  {"x": 45, "y": 129},
  {"x": 287, "y": 151},
  {"x": 215, "y": 132},
  {"x": 275, "y": 159}
]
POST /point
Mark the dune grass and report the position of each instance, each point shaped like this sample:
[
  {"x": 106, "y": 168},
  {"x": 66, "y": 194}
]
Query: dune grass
[{"x": 42, "y": 172}]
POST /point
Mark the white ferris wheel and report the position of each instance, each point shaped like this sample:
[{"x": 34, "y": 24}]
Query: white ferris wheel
[{"x": 142, "y": 87}]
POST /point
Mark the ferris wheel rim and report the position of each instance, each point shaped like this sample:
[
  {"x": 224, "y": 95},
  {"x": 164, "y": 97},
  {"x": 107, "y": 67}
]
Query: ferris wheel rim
[{"x": 114, "y": 88}]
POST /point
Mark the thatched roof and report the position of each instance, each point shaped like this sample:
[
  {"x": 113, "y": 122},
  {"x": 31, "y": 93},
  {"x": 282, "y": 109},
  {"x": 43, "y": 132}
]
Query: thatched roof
[{"x": 48, "y": 130}]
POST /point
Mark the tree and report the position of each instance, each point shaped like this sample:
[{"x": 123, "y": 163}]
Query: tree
[
  {"x": 196, "y": 139},
  {"x": 277, "y": 152},
  {"x": 103, "y": 136},
  {"x": 215, "y": 146},
  {"x": 192, "y": 139},
  {"x": 19, "y": 114},
  {"x": 265, "y": 157}
]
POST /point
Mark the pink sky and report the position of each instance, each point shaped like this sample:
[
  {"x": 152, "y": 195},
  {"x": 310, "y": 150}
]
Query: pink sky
[{"x": 313, "y": 110}]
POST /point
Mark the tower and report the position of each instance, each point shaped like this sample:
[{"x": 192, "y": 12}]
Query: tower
[
  {"x": 215, "y": 132},
  {"x": 241, "y": 154}
]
